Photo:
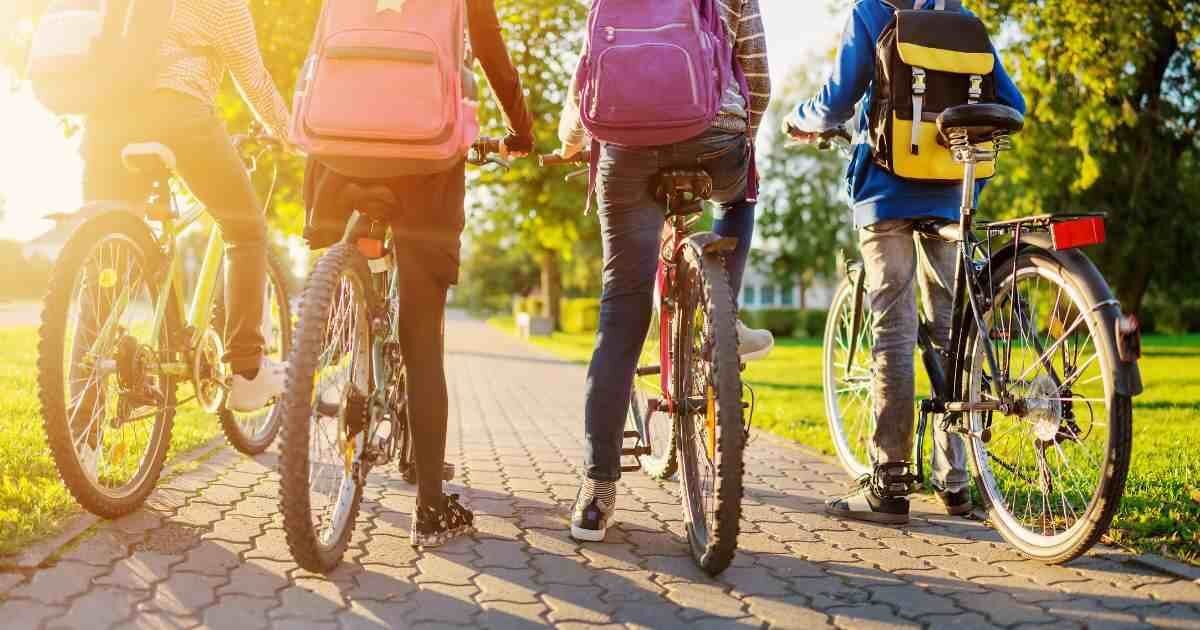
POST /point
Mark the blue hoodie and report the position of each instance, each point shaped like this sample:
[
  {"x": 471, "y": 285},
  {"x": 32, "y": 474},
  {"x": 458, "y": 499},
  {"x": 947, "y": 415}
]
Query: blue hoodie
[{"x": 877, "y": 195}]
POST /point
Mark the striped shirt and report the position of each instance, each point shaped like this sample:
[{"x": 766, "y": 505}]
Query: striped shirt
[
  {"x": 208, "y": 37},
  {"x": 743, "y": 21}
]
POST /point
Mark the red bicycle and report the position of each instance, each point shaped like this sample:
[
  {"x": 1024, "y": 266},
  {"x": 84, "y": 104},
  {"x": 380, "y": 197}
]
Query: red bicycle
[{"x": 686, "y": 412}]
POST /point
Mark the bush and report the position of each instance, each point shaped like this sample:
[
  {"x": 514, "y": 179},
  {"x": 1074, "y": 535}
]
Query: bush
[
  {"x": 1170, "y": 318},
  {"x": 811, "y": 324},
  {"x": 788, "y": 322},
  {"x": 531, "y": 305},
  {"x": 580, "y": 315}
]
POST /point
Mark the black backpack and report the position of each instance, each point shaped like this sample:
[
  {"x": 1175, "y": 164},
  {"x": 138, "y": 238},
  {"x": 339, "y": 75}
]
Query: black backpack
[
  {"x": 96, "y": 55},
  {"x": 925, "y": 62}
]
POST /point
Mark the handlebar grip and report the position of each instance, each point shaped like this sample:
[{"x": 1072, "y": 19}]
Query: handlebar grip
[{"x": 486, "y": 146}]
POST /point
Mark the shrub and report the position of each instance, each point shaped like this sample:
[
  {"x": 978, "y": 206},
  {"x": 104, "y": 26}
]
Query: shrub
[
  {"x": 811, "y": 324},
  {"x": 580, "y": 315},
  {"x": 788, "y": 322},
  {"x": 1170, "y": 318}
]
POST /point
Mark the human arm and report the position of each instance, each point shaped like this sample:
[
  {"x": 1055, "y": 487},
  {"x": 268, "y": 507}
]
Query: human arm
[
  {"x": 237, "y": 46},
  {"x": 488, "y": 45},
  {"x": 852, "y": 72},
  {"x": 750, "y": 48}
]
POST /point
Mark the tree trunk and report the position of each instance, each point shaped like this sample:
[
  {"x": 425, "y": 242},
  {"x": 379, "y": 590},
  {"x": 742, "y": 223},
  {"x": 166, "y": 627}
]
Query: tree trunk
[
  {"x": 803, "y": 299},
  {"x": 551, "y": 287}
]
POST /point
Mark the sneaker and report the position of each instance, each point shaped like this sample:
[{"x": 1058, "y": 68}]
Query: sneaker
[
  {"x": 754, "y": 344},
  {"x": 594, "y": 506},
  {"x": 246, "y": 395},
  {"x": 436, "y": 525},
  {"x": 880, "y": 498},
  {"x": 957, "y": 503}
]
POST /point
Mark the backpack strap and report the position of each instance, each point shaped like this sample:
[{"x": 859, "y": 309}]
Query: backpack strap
[{"x": 919, "y": 85}]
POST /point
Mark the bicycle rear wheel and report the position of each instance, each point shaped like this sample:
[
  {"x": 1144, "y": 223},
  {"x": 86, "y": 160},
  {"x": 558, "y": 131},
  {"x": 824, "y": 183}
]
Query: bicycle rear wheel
[
  {"x": 847, "y": 382},
  {"x": 711, "y": 431},
  {"x": 655, "y": 426},
  {"x": 326, "y": 410},
  {"x": 1054, "y": 470},
  {"x": 252, "y": 433},
  {"x": 108, "y": 402}
]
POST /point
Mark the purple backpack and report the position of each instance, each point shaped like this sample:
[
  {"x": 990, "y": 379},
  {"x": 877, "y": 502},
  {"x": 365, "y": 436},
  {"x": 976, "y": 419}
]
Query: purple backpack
[{"x": 654, "y": 70}]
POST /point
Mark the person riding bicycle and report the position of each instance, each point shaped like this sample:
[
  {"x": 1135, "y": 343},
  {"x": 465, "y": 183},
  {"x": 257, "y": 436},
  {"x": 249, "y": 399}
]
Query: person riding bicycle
[
  {"x": 427, "y": 225},
  {"x": 204, "y": 39},
  {"x": 631, "y": 222},
  {"x": 887, "y": 212}
]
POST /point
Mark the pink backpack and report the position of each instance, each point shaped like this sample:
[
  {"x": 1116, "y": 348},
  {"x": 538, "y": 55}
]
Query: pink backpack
[
  {"x": 653, "y": 72},
  {"x": 382, "y": 92}
]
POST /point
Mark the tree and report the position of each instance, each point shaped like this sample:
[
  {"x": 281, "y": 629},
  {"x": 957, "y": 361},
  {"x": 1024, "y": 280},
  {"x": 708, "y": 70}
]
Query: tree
[
  {"x": 1112, "y": 126},
  {"x": 536, "y": 206},
  {"x": 803, "y": 220}
]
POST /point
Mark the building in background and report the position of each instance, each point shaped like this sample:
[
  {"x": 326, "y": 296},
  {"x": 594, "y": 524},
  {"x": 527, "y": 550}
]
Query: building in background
[{"x": 762, "y": 292}]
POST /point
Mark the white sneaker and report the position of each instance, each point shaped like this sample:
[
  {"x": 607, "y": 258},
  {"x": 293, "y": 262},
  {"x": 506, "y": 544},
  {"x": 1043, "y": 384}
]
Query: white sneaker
[
  {"x": 754, "y": 344},
  {"x": 247, "y": 395}
]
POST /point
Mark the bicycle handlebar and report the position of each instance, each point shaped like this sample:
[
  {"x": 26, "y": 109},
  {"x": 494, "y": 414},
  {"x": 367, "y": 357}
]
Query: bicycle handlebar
[
  {"x": 823, "y": 140},
  {"x": 553, "y": 159},
  {"x": 483, "y": 153}
]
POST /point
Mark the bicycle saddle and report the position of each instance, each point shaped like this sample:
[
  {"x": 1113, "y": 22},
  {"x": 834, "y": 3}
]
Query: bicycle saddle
[
  {"x": 983, "y": 121},
  {"x": 683, "y": 190},
  {"x": 373, "y": 199},
  {"x": 149, "y": 158}
]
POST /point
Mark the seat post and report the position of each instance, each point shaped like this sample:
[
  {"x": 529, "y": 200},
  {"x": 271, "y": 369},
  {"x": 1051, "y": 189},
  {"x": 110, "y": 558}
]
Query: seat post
[{"x": 968, "y": 190}]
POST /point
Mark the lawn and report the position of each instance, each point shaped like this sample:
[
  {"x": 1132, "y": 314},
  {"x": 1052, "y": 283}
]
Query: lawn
[
  {"x": 33, "y": 501},
  {"x": 1161, "y": 508}
]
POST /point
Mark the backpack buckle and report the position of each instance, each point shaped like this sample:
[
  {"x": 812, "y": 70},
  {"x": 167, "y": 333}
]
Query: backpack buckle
[
  {"x": 918, "y": 102},
  {"x": 976, "y": 91}
]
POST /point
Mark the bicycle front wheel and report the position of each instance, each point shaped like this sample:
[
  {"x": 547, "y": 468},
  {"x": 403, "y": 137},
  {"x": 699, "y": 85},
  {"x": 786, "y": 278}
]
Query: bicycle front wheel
[
  {"x": 712, "y": 434},
  {"x": 848, "y": 373},
  {"x": 326, "y": 410},
  {"x": 252, "y": 433},
  {"x": 108, "y": 397},
  {"x": 1053, "y": 470}
]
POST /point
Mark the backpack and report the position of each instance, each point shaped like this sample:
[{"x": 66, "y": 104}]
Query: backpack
[
  {"x": 96, "y": 55},
  {"x": 927, "y": 61},
  {"x": 653, "y": 72},
  {"x": 381, "y": 93}
]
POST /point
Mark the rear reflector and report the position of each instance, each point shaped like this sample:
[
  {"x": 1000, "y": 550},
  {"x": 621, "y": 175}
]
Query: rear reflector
[
  {"x": 1078, "y": 233},
  {"x": 370, "y": 247}
]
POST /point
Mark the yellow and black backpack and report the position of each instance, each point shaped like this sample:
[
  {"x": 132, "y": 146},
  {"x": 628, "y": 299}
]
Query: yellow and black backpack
[{"x": 927, "y": 61}]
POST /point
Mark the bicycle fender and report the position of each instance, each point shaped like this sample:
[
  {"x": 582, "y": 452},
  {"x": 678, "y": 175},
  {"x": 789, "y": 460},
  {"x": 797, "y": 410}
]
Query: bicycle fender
[
  {"x": 1128, "y": 379},
  {"x": 710, "y": 243}
]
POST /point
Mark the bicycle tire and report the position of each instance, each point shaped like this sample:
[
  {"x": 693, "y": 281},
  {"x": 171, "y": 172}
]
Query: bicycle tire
[
  {"x": 706, "y": 290},
  {"x": 51, "y": 353},
  {"x": 231, "y": 424},
  {"x": 1111, "y": 478},
  {"x": 311, "y": 550},
  {"x": 851, "y": 436},
  {"x": 663, "y": 460}
]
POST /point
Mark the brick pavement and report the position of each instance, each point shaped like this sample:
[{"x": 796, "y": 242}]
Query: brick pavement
[{"x": 209, "y": 550}]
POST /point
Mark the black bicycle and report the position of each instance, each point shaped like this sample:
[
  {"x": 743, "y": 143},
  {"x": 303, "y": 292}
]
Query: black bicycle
[{"x": 1039, "y": 374}]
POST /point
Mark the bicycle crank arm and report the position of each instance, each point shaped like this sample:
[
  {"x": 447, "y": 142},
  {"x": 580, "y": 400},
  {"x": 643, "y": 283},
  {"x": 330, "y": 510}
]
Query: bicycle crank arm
[{"x": 987, "y": 405}]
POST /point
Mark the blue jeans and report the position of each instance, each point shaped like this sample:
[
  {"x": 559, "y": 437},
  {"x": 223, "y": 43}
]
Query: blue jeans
[{"x": 631, "y": 222}]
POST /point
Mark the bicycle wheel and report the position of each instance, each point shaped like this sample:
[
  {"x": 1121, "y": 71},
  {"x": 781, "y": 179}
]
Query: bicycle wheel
[
  {"x": 108, "y": 404},
  {"x": 1053, "y": 471},
  {"x": 326, "y": 410},
  {"x": 252, "y": 433},
  {"x": 712, "y": 434},
  {"x": 655, "y": 427},
  {"x": 847, "y": 384}
]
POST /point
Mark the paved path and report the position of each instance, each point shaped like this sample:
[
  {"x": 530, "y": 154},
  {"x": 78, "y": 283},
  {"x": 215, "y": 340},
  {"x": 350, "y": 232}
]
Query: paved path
[{"x": 209, "y": 549}]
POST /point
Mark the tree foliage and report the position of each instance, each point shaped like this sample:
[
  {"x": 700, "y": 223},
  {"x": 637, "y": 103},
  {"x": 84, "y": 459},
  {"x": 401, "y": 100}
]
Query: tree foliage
[
  {"x": 803, "y": 217},
  {"x": 1112, "y": 127}
]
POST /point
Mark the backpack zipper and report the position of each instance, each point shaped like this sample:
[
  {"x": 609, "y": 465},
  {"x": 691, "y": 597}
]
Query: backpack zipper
[{"x": 610, "y": 32}]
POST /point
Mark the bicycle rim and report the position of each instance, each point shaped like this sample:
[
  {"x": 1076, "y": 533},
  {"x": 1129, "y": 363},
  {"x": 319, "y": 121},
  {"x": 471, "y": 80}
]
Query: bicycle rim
[
  {"x": 848, "y": 386},
  {"x": 712, "y": 435},
  {"x": 1049, "y": 472}
]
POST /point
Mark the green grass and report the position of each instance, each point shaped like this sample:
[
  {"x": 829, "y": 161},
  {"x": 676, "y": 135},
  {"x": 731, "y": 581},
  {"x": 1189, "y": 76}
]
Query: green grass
[
  {"x": 1161, "y": 508},
  {"x": 33, "y": 501}
]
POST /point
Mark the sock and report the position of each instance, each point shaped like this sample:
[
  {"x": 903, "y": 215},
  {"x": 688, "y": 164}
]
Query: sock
[{"x": 605, "y": 491}]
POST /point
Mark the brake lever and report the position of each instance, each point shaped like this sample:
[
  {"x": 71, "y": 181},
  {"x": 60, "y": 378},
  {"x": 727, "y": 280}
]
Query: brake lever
[{"x": 504, "y": 164}]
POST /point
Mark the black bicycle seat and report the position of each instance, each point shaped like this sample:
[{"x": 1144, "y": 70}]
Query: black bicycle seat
[
  {"x": 983, "y": 121},
  {"x": 149, "y": 158},
  {"x": 373, "y": 199},
  {"x": 683, "y": 190}
]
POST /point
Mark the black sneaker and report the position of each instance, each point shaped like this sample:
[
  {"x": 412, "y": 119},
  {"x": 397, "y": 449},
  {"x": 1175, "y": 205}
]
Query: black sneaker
[
  {"x": 594, "y": 505},
  {"x": 957, "y": 503},
  {"x": 435, "y": 525},
  {"x": 880, "y": 498}
]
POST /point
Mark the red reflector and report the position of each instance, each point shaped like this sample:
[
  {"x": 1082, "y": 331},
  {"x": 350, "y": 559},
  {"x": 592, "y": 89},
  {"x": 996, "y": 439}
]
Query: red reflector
[
  {"x": 1078, "y": 233},
  {"x": 370, "y": 247}
]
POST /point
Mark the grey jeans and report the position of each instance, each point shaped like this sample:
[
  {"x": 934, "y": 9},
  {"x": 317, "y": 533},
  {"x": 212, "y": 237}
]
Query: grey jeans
[{"x": 897, "y": 259}]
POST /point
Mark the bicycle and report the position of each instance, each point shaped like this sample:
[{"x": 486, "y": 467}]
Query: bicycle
[
  {"x": 1039, "y": 374},
  {"x": 686, "y": 406},
  {"x": 116, "y": 342},
  {"x": 346, "y": 408}
]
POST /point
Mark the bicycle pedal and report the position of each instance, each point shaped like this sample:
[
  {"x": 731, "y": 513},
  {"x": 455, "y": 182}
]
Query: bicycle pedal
[
  {"x": 448, "y": 471},
  {"x": 633, "y": 434},
  {"x": 636, "y": 451},
  {"x": 634, "y": 468}
]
